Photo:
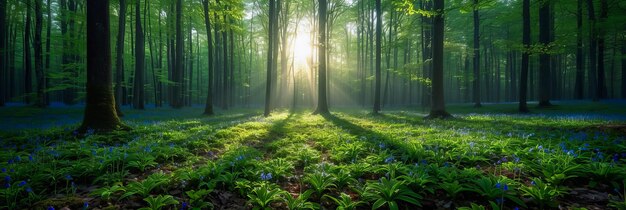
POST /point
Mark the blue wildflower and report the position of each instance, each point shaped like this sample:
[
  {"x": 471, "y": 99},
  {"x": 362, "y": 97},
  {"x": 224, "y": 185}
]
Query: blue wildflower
[
  {"x": 389, "y": 159},
  {"x": 472, "y": 144},
  {"x": 4, "y": 170},
  {"x": 498, "y": 185},
  {"x": 265, "y": 176},
  {"x": 184, "y": 206},
  {"x": 68, "y": 177},
  {"x": 505, "y": 187},
  {"x": 21, "y": 184},
  {"x": 533, "y": 183},
  {"x": 29, "y": 190},
  {"x": 50, "y": 208},
  {"x": 7, "y": 179},
  {"x": 85, "y": 205}
]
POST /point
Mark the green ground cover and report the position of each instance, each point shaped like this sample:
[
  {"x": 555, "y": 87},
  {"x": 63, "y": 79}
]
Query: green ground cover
[{"x": 571, "y": 156}]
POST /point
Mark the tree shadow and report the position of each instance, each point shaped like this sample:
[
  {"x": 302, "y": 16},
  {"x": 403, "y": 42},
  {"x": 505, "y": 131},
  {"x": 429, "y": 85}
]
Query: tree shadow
[{"x": 360, "y": 131}]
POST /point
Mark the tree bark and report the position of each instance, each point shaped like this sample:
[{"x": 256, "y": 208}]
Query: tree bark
[
  {"x": 379, "y": 23},
  {"x": 593, "y": 41},
  {"x": 270, "y": 55},
  {"x": 438, "y": 108},
  {"x": 37, "y": 45},
  {"x": 100, "y": 114},
  {"x": 322, "y": 103},
  {"x": 476, "y": 56},
  {"x": 27, "y": 62},
  {"x": 580, "y": 63},
  {"x": 119, "y": 60},
  {"x": 523, "y": 90},
  {"x": 208, "y": 108},
  {"x": 602, "y": 90},
  {"x": 177, "y": 100},
  {"x": 140, "y": 55},
  {"x": 544, "y": 57},
  {"x": 4, "y": 80}
]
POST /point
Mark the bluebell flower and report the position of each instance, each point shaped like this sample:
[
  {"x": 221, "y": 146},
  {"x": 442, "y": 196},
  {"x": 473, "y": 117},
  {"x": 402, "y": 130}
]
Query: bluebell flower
[
  {"x": 499, "y": 200},
  {"x": 50, "y": 208},
  {"x": 7, "y": 178},
  {"x": 85, "y": 205},
  {"x": 10, "y": 161},
  {"x": 389, "y": 159},
  {"x": 4, "y": 170},
  {"x": 11, "y": 170},
  {"x": 540, "y": 147},
  {"x": 533, "y": 183},
  {"x": 266, "y": 177},
  {"x": 381, "y": 145},
  {"x": 7, "y": 185},
  {"x": 472, "y": 144},
  {"x": 68, "y": 177},
  {"x": 31, "y": 158},
  {"x": 29, "y": 190},
  {"x": 498, "y": 185},
  {"x": 21, "y": 184},
  {"x": 18, "y": 158},
  {"x": 505, "y": 187},
  {"x": 184, "y": 206}
]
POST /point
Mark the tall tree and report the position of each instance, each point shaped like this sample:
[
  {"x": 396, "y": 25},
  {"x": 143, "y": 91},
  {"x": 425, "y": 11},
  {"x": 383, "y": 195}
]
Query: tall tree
[
  {"x": 580, "y": 63},
  {"x": 379, "y": 23},
  {"x": 177, "y": 100},
  {"x": 100, "y": 113},
  {"x": 48, "y": 41},
  {"x": 270, "y": 55},
  {"x": 523, "y": 90},
  {"x": 3, "y": 48},
  {"x": 119, "y": 60},
  {"x": 593, "y": 49},
  {"x": 37, "y": 45},
  {"x": 604, "y": 9},
  {"x": 544, "y": 57},
  {"x": 322, "y": 103},
  {"x": 476, "y": 56},
  {"x": 208, "y": 108},
  {"x": 438, "y": 108},
  {"x": 140, "y": 54},
  {"x": 28, "y": 80}
]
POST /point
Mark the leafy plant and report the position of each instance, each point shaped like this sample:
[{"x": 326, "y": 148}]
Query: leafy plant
[
  {"x": 158, "y": 202},
  {"x": 143, "y": 163},
  {"x": 320, "y": 182},
  {"x": 146, "y": 186},
  {"x": 494, "y": 189},
  {"x": 543, "y": 194},
  {"x": 196, "y": 198},
  {"x": 389, "y": 192},
  {"x": 452, "y": 188},
  {"x": 264, "y": 194},
  {"x": 106, "y": 193},
  {"x": 619, "y": 201},
  {"x": 473, "y": 207},
  {"x": 300, "y": 202},
  {"x": 345, "y": 202}
]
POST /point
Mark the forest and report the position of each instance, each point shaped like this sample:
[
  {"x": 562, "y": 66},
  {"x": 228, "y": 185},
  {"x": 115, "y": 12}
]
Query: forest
[{"x": 313, "y": 104}]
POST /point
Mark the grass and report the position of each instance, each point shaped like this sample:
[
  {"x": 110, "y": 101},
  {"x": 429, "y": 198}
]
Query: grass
[{"x": 563, "y": 156}]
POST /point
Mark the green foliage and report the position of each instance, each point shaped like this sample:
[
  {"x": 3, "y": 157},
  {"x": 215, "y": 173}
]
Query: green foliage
[
  {"x": 345, "y": 202},
  {"x": 388, "y": 192},
  {"x": 320, "y": 182},
  {"x": 263, "y": 194},
  {"x": 543, "y": 194},
  {"x": 160, "y": 201}
]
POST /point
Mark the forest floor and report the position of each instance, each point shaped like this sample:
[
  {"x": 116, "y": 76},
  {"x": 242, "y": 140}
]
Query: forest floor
[{"x": 571, "y": 156}]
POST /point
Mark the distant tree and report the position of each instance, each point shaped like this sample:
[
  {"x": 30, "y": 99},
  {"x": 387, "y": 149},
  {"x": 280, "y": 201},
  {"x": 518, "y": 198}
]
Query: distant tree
[
  {"x": 28, "y": 86},
  {"x": 476, "y": 55},
  {"x": 100, "y": 114},
  {"x": 3, "y": 62},
  {"x": 544, "y": 57},
  {"x": 37, "y": 45},
  {"x": 208, "y": 108},
  {"x": 140, "y": 55},
  {"x": 438, "y": 108},
  {"x": 119, "y": 60},
  {"x": 593, "y": 50},
  {"x": 270, "y": 57},
  {"x": 379, "y": 23},
  {"x": 580, "y": 63},
  {"x": 523, "y": 90},
  {"x": 322, "y": 103},
  {"x": 602, "y": 90},
  {"x": 177, "y": 100}
]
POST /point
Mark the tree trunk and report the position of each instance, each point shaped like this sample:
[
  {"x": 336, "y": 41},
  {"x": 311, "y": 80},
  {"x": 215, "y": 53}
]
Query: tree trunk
[
  {"x": 4, "y": 80},
  {"x": 476, "y": 56},
  {"x": 523, "y": 90},
  {"x": 270, "y": 55},
  {"x": 602, "y": 90},
  {"x": 322, "y": 103},
  {"x": 208, "y": 108},
  {"x": 119, "y": 60},
  {"x": 593, "y": 41},
  {"x": 438, "y": 108},
  {"x": 37, "y": 45},
  {"x": 580, "y": 63},
  {"x": 544, "y": 57},
  {"x": 100, "y": 114},
  {"x": 379, "y": 26},
  {"x": 27, "y": 63},
  {"x": 177, "y": 100},
  {"x": 140, "y": 54},
  {"x": 48, "y": 31}
]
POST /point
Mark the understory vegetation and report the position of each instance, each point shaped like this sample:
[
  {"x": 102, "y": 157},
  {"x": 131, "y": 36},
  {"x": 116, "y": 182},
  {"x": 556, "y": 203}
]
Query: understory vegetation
[{"x": 294, "y": 160}]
